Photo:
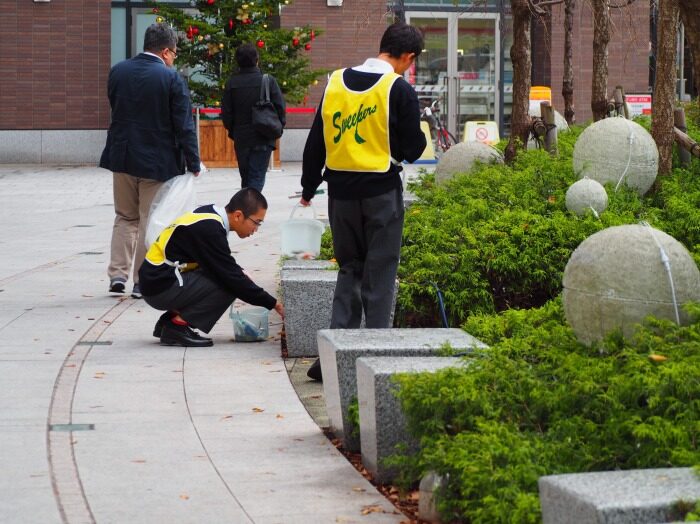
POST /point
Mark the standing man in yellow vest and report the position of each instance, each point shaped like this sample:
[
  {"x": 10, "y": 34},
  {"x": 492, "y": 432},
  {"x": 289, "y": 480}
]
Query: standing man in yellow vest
[{"x": 369, "y": 122}]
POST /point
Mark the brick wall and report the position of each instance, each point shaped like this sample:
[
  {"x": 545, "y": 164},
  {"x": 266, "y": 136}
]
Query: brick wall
[
  {"x": 628, "y": 54},
  {"x": 54, "y": 62},
  {"x": 351, "y": 33}
]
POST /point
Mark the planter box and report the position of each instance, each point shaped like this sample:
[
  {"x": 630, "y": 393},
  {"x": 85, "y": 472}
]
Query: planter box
[{"x": 216, "y": 148}]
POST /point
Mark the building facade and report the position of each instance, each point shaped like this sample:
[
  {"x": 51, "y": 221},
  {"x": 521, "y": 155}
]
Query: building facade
[{"x": 53, "y": 74}]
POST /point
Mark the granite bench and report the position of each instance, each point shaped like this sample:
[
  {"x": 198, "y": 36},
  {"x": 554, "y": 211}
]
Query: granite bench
[
  {"x": 382, "y": 422},
  {"x": 308, "y": 301},
  {"x": 340, "y": 348},
  {"x": 635, "y": 496}
]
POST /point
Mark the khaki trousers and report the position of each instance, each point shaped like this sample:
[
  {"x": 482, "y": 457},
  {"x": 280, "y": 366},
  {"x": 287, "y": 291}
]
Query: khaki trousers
[{"x": 132, "y": 202}]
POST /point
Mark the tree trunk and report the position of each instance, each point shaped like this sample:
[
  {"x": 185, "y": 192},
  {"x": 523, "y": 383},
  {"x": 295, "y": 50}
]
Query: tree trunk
[
  {"x": 690, "y": 16},
  {"x": 522, "y": 65},
  {"x": 601, "y": 38},
  {"x": 663, "y": 101},
  {"x": 567, "y": 89}
]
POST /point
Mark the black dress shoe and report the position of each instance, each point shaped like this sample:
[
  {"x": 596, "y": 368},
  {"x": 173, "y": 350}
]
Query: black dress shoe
[
  {"x": 176, "y": 335},
  {"x": 158, "y": 328},
  {"x": 314, "y": 371}
]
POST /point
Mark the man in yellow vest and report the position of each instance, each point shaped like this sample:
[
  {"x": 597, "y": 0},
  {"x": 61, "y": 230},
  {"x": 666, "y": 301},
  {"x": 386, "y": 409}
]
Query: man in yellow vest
[
  {"x": 189, "y": 271},
  {"x": 368, "y": 123}
]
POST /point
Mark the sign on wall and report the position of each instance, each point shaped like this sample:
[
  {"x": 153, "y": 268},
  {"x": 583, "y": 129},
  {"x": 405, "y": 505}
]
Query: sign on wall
[{"x": 639, "y": 104}]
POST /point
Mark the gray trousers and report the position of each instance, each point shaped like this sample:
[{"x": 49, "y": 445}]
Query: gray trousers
[
  {"x": 200, "y": 300},
  {"x": 367, "y": 243}
]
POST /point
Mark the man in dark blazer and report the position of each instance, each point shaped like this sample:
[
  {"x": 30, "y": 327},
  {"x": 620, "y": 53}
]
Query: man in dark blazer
[
  {"x": 242, "y": 91},
  {"x": 151, "y": 139}
]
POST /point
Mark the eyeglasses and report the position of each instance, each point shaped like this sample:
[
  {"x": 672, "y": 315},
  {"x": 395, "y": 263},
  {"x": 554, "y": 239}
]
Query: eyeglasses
[
  {"x": 174, "y": 52},
  {"x": 257, "y": 223}
]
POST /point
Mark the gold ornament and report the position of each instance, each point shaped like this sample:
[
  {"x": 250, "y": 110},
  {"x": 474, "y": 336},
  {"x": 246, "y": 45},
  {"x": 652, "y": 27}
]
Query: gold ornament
[
  {"x": 200, "y": 38},
  {"x": 221, "y": 46},
  {"x": 315, "y": 82},
  {"x": 217, "y": 103},
  {"x": 213, "y": 49},
  {"x": 284, "y": 83},
  {"x": 159, "y": 19}
]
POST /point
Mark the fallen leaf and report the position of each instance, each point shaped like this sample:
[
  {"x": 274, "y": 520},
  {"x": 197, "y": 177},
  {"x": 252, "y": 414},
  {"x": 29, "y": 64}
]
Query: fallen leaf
[
  {"x": 366, "y": 510},
  {"x": 185, "y": 497},
  {"x": 226, "y": 417},
  {"x": 279, "y": 416},
  {"x": 357, "y": 488},
  {"x": 139, "y": 461},
  {"x": 258, "y": 410},
  {"x": 88, "y": 296}
]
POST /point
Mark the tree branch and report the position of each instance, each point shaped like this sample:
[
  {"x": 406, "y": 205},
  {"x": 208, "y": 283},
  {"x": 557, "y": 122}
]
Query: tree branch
[{"x": 538, "y": 7}]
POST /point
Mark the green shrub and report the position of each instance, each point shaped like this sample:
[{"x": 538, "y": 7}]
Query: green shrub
[
  {"x": 500, "y": 237},
  {"x": 537, "y": 402}
]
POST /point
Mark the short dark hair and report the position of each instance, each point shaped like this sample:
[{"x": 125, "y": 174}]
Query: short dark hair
[
  {"x": 400, "y": 38},
  {"x": 158, "y": 37},
  {"x": 248, "y": 200},
  {"x": 246, "y": 55}
]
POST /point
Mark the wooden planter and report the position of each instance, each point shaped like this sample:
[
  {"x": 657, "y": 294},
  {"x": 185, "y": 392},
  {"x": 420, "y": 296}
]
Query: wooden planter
[{"x": 216, "y": 148}]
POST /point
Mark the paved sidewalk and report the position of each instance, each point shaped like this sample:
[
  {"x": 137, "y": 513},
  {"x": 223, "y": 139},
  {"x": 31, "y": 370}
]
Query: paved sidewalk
[{"x": 99, "y": 423}]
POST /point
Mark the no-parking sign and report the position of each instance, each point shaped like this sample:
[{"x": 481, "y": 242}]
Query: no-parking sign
[{"x": 481, "y": 131}]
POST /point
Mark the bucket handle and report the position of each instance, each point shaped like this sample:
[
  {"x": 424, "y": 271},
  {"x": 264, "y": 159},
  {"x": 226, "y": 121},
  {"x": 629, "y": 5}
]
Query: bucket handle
[{"x": 298, "y": 206}]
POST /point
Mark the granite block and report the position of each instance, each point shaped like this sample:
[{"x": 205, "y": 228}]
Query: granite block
[
  {"x": 340, "y": 348},
  {"x": 293, "y": 263},
  {"x": 635, "y": 496},
  {"x": 308, "y": 302},
  {"x": 72, "y": 146},
  {"x": 20, "y": 147},
  {"x": 382, "y": 422}
]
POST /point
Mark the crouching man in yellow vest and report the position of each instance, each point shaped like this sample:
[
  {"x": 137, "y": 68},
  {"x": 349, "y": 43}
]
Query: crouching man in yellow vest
[
  {"x": 189, "y": 271},
  {"x": 369, "y": 122}
]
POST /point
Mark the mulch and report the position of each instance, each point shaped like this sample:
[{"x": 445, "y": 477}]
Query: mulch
[{"x": 405, "y": 502}]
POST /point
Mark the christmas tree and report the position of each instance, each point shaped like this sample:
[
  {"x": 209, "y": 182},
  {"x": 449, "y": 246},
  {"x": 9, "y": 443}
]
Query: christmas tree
[{"x": 211, "y": 30}]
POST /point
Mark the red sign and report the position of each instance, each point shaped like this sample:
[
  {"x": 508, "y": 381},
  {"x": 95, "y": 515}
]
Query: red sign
[{"x": 481, "y": 133}]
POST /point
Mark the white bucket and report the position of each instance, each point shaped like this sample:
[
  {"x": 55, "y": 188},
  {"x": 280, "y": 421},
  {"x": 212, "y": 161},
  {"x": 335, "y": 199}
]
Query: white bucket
[{"x": 302, "y": 236}]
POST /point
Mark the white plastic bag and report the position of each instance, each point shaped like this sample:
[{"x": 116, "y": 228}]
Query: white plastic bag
[{"x": 174, "y": 198}]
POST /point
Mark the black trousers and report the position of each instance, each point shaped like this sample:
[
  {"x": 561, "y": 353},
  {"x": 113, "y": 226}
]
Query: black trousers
[
  {"x": 367, "y": 244},
  {"x": 200, "y": 300}
]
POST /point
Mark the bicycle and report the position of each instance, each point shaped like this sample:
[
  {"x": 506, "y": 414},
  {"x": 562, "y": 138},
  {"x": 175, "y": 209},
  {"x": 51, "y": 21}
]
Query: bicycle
[{"x": 442, "y": 138}]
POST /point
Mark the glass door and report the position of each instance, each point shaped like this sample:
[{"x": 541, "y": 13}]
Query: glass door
[{"x": 460, "y": 67}]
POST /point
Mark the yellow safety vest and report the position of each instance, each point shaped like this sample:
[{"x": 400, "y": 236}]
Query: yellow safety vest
[
  {"x": 356, "y": 125},
  {"x": 156, "y": 253}
]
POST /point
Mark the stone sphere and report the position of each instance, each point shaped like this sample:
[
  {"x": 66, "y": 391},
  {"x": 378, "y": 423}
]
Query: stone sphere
[
  {"x": 460, "y": 158},
  {"x": 586, "y": 195},
  {"x": 617, "y": 151},
  {"x": 617, "y": 277}
]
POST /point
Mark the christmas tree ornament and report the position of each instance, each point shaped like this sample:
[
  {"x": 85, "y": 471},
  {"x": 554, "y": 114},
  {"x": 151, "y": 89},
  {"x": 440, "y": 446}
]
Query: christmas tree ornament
[
  {"x": 159, "y": 19},
  {"x": 295, "y": 42},
  {"x": 261, "y": 44},
  {"x": 155, "y": 10},
  {"x": 210, "y": 2},
  {"x": 195, "y": 30},
  {"x": 307, "y": 47},
  {"x": 200, "y": 38},
  {"x": 313, "y": 34}
]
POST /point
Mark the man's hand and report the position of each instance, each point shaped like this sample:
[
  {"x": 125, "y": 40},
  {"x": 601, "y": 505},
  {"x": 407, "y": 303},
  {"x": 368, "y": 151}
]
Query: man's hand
[
  {"x": 280, "y": 309},
  {"x": 304, "y": 202}
]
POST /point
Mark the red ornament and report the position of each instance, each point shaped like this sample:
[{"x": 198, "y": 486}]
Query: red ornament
[
  {"x": 261, "y": 44},
  {"x": 230, "y": 23},
  {"x": 307, "y": 47},
  {"x": 155, "y": 10},
  {"x": 210, "y": 2},
  {"x": 195, "y": 30},
  {"x": 313, "y": 35},
  {"x": 295, "y": 42},
  {"x": 189, "y": 33},
  {"x": 247, "y": 21}
]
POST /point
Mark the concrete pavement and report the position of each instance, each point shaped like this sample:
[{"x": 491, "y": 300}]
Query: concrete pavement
[{"x": 99, "y": 423}]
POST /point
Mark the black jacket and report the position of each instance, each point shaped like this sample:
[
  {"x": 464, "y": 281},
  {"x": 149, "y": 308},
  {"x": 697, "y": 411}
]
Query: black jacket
[
  {"x": 206, "y": 243},
  {"x": 152, "y": 134},
  {"x": 406, "y": 141},
  {"x": 242, "y": 91}
]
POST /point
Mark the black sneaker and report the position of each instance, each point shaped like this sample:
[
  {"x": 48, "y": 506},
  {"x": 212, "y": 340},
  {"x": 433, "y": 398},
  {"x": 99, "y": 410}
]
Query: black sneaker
[
  {"x": 136, "y": 292},
  {"x": 314, "y": 372},
  {"x": 176, "y": 335},
  {"x": 117, "y": 285}
]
